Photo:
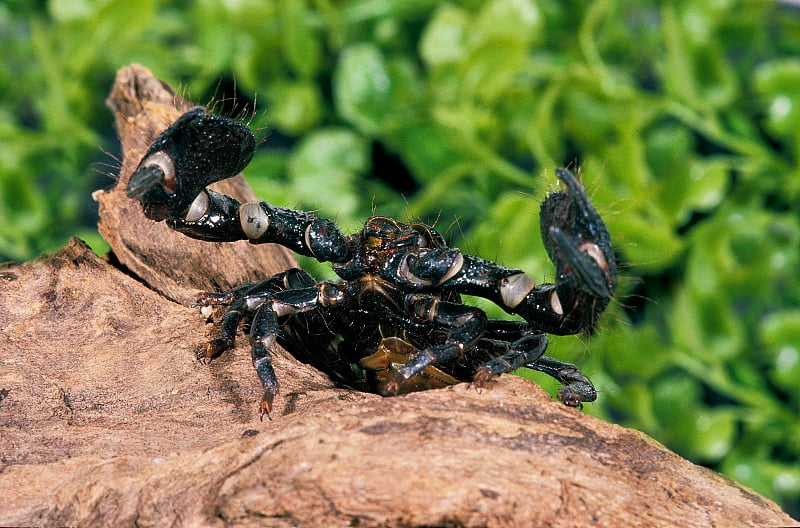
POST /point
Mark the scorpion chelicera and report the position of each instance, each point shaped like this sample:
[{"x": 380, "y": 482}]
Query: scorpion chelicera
[{"x": 394, "y": 322}]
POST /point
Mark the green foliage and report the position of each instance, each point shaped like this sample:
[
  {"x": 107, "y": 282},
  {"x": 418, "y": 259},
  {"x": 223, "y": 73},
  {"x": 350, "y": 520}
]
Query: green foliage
[{"x": 682, "y": 117}]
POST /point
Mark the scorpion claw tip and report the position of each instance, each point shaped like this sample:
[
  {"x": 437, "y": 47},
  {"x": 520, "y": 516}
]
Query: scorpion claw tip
[{"x": 143, "y": 180}]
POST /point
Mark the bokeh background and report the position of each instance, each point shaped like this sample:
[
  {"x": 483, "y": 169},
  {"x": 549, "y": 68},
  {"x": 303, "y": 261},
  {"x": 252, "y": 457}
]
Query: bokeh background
[{"x": 683, "y": 119}]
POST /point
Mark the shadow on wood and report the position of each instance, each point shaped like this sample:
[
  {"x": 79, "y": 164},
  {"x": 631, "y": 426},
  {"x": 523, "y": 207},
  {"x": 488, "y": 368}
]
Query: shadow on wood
[{"x": 107, "y": 419}]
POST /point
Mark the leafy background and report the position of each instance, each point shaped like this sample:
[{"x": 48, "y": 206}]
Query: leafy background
[{"x": 683, "y": 119}]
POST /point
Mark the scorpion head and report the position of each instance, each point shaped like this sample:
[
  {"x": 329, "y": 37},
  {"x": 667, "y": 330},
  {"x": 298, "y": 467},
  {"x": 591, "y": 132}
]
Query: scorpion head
[{"x": 197, "y": 150}]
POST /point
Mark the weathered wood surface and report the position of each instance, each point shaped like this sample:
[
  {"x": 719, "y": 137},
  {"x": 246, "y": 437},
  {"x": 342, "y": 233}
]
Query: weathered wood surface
[{"x": 106, "y": 419}]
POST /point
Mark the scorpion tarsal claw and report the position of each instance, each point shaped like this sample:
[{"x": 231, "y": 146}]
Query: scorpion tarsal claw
[
  {"x": 574, "y": 394},
  {"x": 265, "y": 406},
  {"x": 570, "y": 399},
  {"x": 212, "y": 349},
  {"x": 482, "y": 379}
]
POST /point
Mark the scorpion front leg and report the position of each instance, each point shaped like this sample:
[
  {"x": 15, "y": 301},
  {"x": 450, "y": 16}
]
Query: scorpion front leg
[
  {"x": 265, "y": 327},
  {"x": 576, "y": 386},
  {"x": 262, "y": 304},
  {"x": 239, "y": 306},
  {"x": 526, "y": 349}
]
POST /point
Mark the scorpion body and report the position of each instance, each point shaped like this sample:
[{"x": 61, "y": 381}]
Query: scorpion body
[{"x": 394, "y": 321}]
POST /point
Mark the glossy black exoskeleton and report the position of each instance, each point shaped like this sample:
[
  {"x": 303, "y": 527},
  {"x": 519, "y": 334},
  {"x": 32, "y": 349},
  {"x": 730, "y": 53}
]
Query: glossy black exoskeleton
[{"x": 394, "y": 322}]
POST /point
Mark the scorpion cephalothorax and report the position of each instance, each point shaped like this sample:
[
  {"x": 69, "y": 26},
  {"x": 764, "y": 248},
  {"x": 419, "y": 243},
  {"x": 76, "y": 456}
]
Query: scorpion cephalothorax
[{"x": 394, "y": 322}]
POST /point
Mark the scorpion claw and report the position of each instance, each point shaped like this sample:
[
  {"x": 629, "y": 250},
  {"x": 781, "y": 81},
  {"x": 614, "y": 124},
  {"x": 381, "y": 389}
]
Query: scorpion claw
[
  {"x": 578, "y": 244},
  {"x": 577, "y": 240},
  {"x": 177, "y": 167}
]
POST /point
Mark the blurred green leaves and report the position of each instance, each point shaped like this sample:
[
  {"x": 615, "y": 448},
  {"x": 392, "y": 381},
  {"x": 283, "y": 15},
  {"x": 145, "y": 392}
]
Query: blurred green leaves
[
  {"x": 682, "y": 119},
  {"x": 778, "y": 83},
  {"x": 362, "y": 87}
]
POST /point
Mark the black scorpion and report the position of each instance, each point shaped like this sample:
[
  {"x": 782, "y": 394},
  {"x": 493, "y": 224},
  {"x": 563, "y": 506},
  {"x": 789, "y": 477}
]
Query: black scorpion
[{"x": 394, "y": 322}]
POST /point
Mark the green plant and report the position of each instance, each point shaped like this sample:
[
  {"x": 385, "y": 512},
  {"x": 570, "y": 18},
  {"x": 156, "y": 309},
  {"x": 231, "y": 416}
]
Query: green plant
[{"x": 682, "y": 117}]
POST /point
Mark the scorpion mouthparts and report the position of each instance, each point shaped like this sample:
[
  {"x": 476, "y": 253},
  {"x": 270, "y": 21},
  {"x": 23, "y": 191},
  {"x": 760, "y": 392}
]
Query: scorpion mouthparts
[{"x": 144, "y": 180}]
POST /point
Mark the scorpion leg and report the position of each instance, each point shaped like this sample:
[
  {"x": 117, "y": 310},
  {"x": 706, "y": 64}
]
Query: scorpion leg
[
  {"x": 263, "y": 333},
  {"x": 466, "y": 326},
  {"x": 227, "y": 333},
  {"x": 577, "y": 387},
  {"x": 265, "y": 327},
  {"x": 523, "y": 351},
  {"x": 240, "y": 302},
  {"x": 246, "y": 302}
]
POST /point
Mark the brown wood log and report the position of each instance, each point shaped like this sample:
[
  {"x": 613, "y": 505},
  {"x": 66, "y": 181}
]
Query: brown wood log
[{"x": 107, "y": 420}]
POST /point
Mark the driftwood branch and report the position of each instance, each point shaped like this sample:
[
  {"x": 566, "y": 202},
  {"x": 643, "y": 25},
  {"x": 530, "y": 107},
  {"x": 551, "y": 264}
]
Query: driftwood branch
[{"x": 106, "y": 419}]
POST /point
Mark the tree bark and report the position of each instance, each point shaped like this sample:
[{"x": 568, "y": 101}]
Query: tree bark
[{"x": 107, "y": 420}]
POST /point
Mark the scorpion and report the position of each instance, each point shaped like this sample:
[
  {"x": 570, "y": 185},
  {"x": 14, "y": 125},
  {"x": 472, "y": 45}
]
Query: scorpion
[{"x": 394, "y": 321}]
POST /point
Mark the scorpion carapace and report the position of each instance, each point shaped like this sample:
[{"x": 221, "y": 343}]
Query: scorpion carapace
[{"x": 394, "y": 321}]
